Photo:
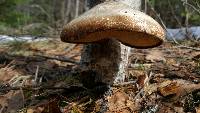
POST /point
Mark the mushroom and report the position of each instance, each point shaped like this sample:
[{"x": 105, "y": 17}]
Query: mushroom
[{"x": 108, "y": 30}]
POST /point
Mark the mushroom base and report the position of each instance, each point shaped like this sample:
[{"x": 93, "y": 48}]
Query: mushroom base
[{"x": 108, "y": 59}]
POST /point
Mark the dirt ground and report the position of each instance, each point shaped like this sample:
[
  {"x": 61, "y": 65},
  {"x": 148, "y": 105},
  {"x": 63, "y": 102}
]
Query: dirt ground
[{"x": 44, "y": 77}]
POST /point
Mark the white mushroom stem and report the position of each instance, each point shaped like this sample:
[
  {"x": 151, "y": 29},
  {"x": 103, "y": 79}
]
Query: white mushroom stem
[{"x": 109, "y": 58}]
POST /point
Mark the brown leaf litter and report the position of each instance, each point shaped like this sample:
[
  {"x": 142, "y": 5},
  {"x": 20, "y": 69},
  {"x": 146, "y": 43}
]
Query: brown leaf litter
[{"x": 160, "y": 80}]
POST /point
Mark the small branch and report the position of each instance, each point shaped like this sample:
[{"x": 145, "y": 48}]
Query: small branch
[
  {"x": 193, "y": 7},
  {"x": 42, "y": 57},
  {"x": 186, "y": 18},
  {"x": 23, "y": 97},
  {"x": 123, "y": 84},
  {"x": 42, "y": 10},
  {"x": 145, "y": 83},
  {"x": 59, "y": 59},
  {"x": 33, "y": 88},
  {"x": 162, "y": 23},
  {"x": 69, "y": 49},
  {"x": 186, "y": 47},
  {"x": 175, "y": 41},
  {"x": 36, "y": 75},
  {"x": 2, "y": 108},
  {"x": 66, "y": 89},
  {"x": 198, "y": 5},
  {"x": 174, "y": 14}
]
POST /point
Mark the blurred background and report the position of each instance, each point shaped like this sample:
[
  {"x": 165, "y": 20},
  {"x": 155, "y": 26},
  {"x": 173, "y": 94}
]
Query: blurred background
[
  {"x": 47, "y": 17},
  {"x": 164, "y": 79}
]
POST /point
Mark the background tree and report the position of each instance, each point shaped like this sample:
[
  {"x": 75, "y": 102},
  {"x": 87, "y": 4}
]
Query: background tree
[{"x": 47, "y": 17}]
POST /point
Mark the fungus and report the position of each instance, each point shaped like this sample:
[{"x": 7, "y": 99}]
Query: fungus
[{"x": 108, "y": 30}]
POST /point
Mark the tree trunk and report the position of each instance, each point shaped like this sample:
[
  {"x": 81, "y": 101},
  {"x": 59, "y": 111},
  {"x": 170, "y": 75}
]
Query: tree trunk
[
  {"x": 77, "y": 9},
  {"x": 62, "y": 11},
  {"x": 108, "y": 59},
  {"x": 68, "y": 11}
]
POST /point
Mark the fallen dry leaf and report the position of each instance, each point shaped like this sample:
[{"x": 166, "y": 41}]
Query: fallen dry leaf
[
  {"x": 177, "y": 88},
  {"x": 140, "y": 75},
  {"x": 12, "y": 101},
  {"x": 169, "y": 89},
  {"x": 119, "y": 102},
  {"x": 198, "y": 110},
  {"x": 52, "y": 107},
  {"x": 7, "y": 73},
  {"x": 35, "y": 110},
  {"x": 155, "y": 55}
]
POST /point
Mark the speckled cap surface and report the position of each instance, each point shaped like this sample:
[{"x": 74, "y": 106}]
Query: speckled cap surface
[{"x": 114, "y": 20}]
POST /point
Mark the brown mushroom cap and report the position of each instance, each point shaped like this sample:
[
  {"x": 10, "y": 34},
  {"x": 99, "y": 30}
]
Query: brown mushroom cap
[{"x": 114, "y": 20}]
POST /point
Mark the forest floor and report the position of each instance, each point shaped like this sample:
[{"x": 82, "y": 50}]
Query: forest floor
[{"x": 44, "y": 77}]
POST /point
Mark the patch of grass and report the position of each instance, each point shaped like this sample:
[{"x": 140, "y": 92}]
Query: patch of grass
[
  {"x": 19, "y": 48},
  {"x": 72, "y": 80},
  {"x": 25, "y": 48},
  {"x": 140, "y": 67},
  {"x": 43, "y": 45},
  {"x": 197, "y": 68}
]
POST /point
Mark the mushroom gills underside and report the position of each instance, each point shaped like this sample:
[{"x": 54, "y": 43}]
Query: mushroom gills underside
[{"x": 133, "y": 39}]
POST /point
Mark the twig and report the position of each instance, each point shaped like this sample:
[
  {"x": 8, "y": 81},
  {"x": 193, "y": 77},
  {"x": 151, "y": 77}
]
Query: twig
[
  {"x": 59, "y": 59},
  {"x": 158, "y": 16},
  {"x": 187, "y": 19},
  {"x": 198, "y": 5},
  {"x": 197, "y": 10},
  {"x": 174, "y": 15},
  {"x": 42, "y": 10},
  {"x": 69, "y": 49},
  {"x": 123, "y": 84},
  {"x": 34, "y": 58},
  {"x": 36, "y": 75},
  {"x": 23, "y": 98},
  {"x": 9, "y": 64},
  {"x": 179, "y": 23},
  {"x": 186, "y": 47},
  {"x": 179, "y": 45},
  {"x": 2, "y": 108},
  {"x": 33, "y": 88},
  {"x": 18, "y": 80},
  {"x": 145, "y": 83}
]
